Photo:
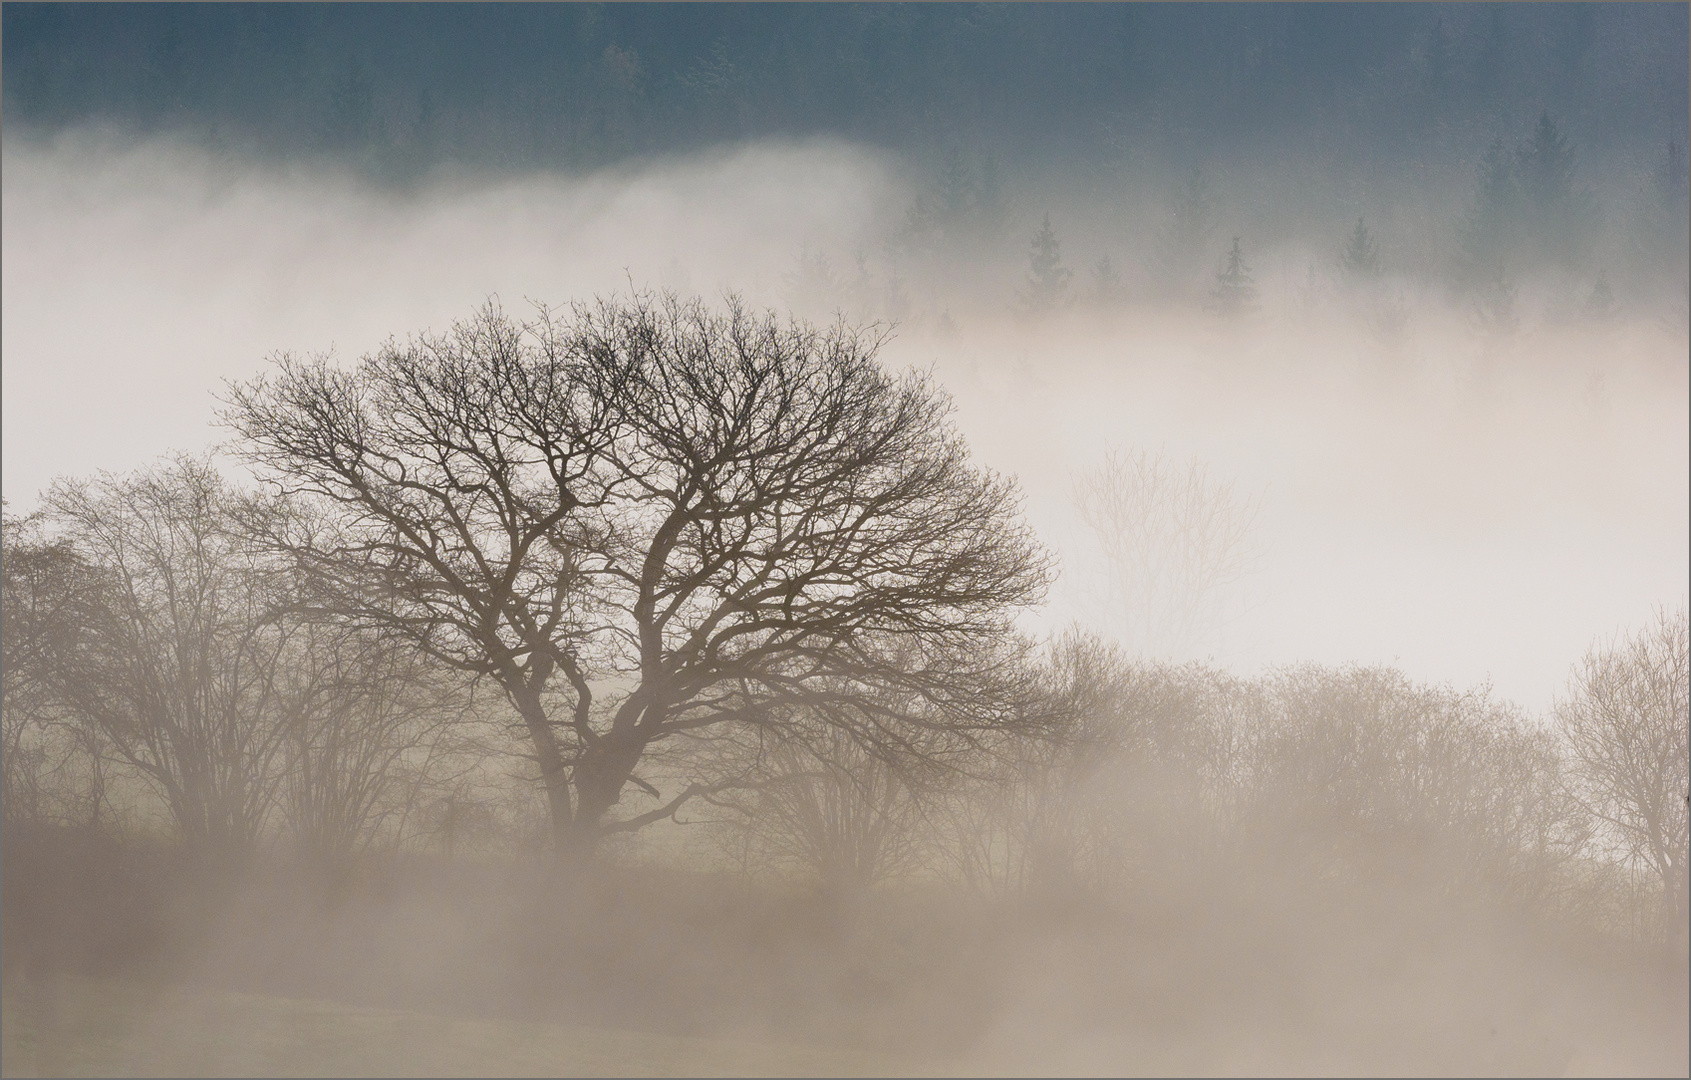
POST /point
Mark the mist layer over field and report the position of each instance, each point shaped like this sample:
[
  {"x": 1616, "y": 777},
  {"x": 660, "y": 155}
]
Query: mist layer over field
[{"x": 1468, "y": 505}]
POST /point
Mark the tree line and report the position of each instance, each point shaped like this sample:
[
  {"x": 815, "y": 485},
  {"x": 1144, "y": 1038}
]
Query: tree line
[
  {"x": 641, "y": 560},
  {"x": 393, "y": 91},
  {"x": 1527, "y": 218}
]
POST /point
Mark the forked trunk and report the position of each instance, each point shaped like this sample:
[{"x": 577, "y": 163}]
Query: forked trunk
[{"x": 554, "y": 775}]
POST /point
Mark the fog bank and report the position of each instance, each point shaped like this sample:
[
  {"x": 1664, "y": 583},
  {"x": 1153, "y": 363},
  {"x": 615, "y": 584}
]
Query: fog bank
[{"x": 1466, "y": 505}]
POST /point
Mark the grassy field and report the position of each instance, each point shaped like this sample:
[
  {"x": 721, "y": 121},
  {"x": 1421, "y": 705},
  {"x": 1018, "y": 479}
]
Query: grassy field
[{"x": 79, "y": 1026}]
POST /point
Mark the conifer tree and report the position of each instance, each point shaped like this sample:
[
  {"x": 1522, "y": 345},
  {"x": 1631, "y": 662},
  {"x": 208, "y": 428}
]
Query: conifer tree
[
  {"x": 1670, "y": 174},
  {"x": 1489, "y": 229},
  {"x": 1106, "y": 282},
  {"x": 1235, "y": 290},
  {"x": 1361, "y": 255},
  {"x": 1544, "y": 166},
  {"x": 1187, "y": 233},
  {"x": 1048, "y": 278},
  {"x": 1493, "y": 308},
  {"x": 1600, "y": 304}
]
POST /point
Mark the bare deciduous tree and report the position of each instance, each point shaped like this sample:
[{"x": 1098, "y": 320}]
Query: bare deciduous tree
[
  {"x": 1172, "y": 541},
  {"x": 647, "y": 519},
  {"x": 1118, "y": 780},
  {"x": 824, "y": 803},
  {"x": 357, "y": 708},
  {"x": 175, "y": 661},
  {"x": 1625, "y": 722},
  {"x": 42, "y": 582},
  {"x": 1363, "y": 761}
]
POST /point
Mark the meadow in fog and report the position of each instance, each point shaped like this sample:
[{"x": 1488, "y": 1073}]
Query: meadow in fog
[{"x": 784, "y": 601}]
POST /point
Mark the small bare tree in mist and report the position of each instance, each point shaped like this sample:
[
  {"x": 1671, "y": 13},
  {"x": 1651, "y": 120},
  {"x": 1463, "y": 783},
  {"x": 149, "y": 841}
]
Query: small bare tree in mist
[
  {"x": 363, "y": 715},
  {"x": 1173, "y": 540},
  {"x": 1453, "y": 788},
  {"x": 822, "y": 802},
  {"x": 51, "y": 768},
  {"x": 1624, "y": 721},
  {"x": 1125, "y": 785},
  {"x": 645, "y": 520},
  {"x": 176, "y": 661}
]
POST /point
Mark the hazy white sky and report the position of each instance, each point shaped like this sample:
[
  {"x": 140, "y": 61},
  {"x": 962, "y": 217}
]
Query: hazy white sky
[{"x": 1464, "y": 511}]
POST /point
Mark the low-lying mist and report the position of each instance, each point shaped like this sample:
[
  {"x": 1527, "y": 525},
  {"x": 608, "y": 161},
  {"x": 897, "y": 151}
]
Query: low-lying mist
[
  {"x": 1330, "y": 533},
  {"x": 1470, "y": 503}
]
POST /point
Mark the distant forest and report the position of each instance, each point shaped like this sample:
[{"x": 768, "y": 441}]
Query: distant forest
[{"x": 396, "y": 88}]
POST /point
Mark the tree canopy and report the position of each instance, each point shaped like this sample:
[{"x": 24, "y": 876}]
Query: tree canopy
[{"x": 642, "y": 518}]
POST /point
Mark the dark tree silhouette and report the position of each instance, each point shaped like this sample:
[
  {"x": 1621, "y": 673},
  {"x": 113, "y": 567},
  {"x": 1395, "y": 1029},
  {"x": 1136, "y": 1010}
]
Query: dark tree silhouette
[
  {"x": 1235, "y": 291},
  {"x": 646, "y": 520},
  {"x": 1545, "y": 168},
  {"x": 1048, "y": 279},
  {"x": 1360, "y": 257},
  {"x": 1526, "y": 208}
]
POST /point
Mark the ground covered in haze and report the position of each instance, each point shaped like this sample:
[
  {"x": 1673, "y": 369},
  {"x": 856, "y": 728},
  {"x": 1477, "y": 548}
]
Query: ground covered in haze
[{"x": 486, "y": 970}]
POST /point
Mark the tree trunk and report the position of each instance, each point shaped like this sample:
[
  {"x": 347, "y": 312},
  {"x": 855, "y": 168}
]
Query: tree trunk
[
  {"x": 553, "y": 774},
  {"x": 600, "y": 776}
]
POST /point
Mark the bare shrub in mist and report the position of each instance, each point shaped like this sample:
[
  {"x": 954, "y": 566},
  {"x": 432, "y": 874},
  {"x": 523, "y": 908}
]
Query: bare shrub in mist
[
  {"x": 849, "y": 793},
  {"x": 1173, "y": 540},
  {"x": 365, "y": 735},
  {"x": 51, "y": 768},
  {"x": 1120, "y": 789},
  {"x": 1165, "y": 774},
  {"x": 836, "y": 812},
  {"x": 1430, "y": 783},
  {"x": 1624, "y": 721},
  {"x": 176, "y": 662},
  {"x": 643, "y": 520}
]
